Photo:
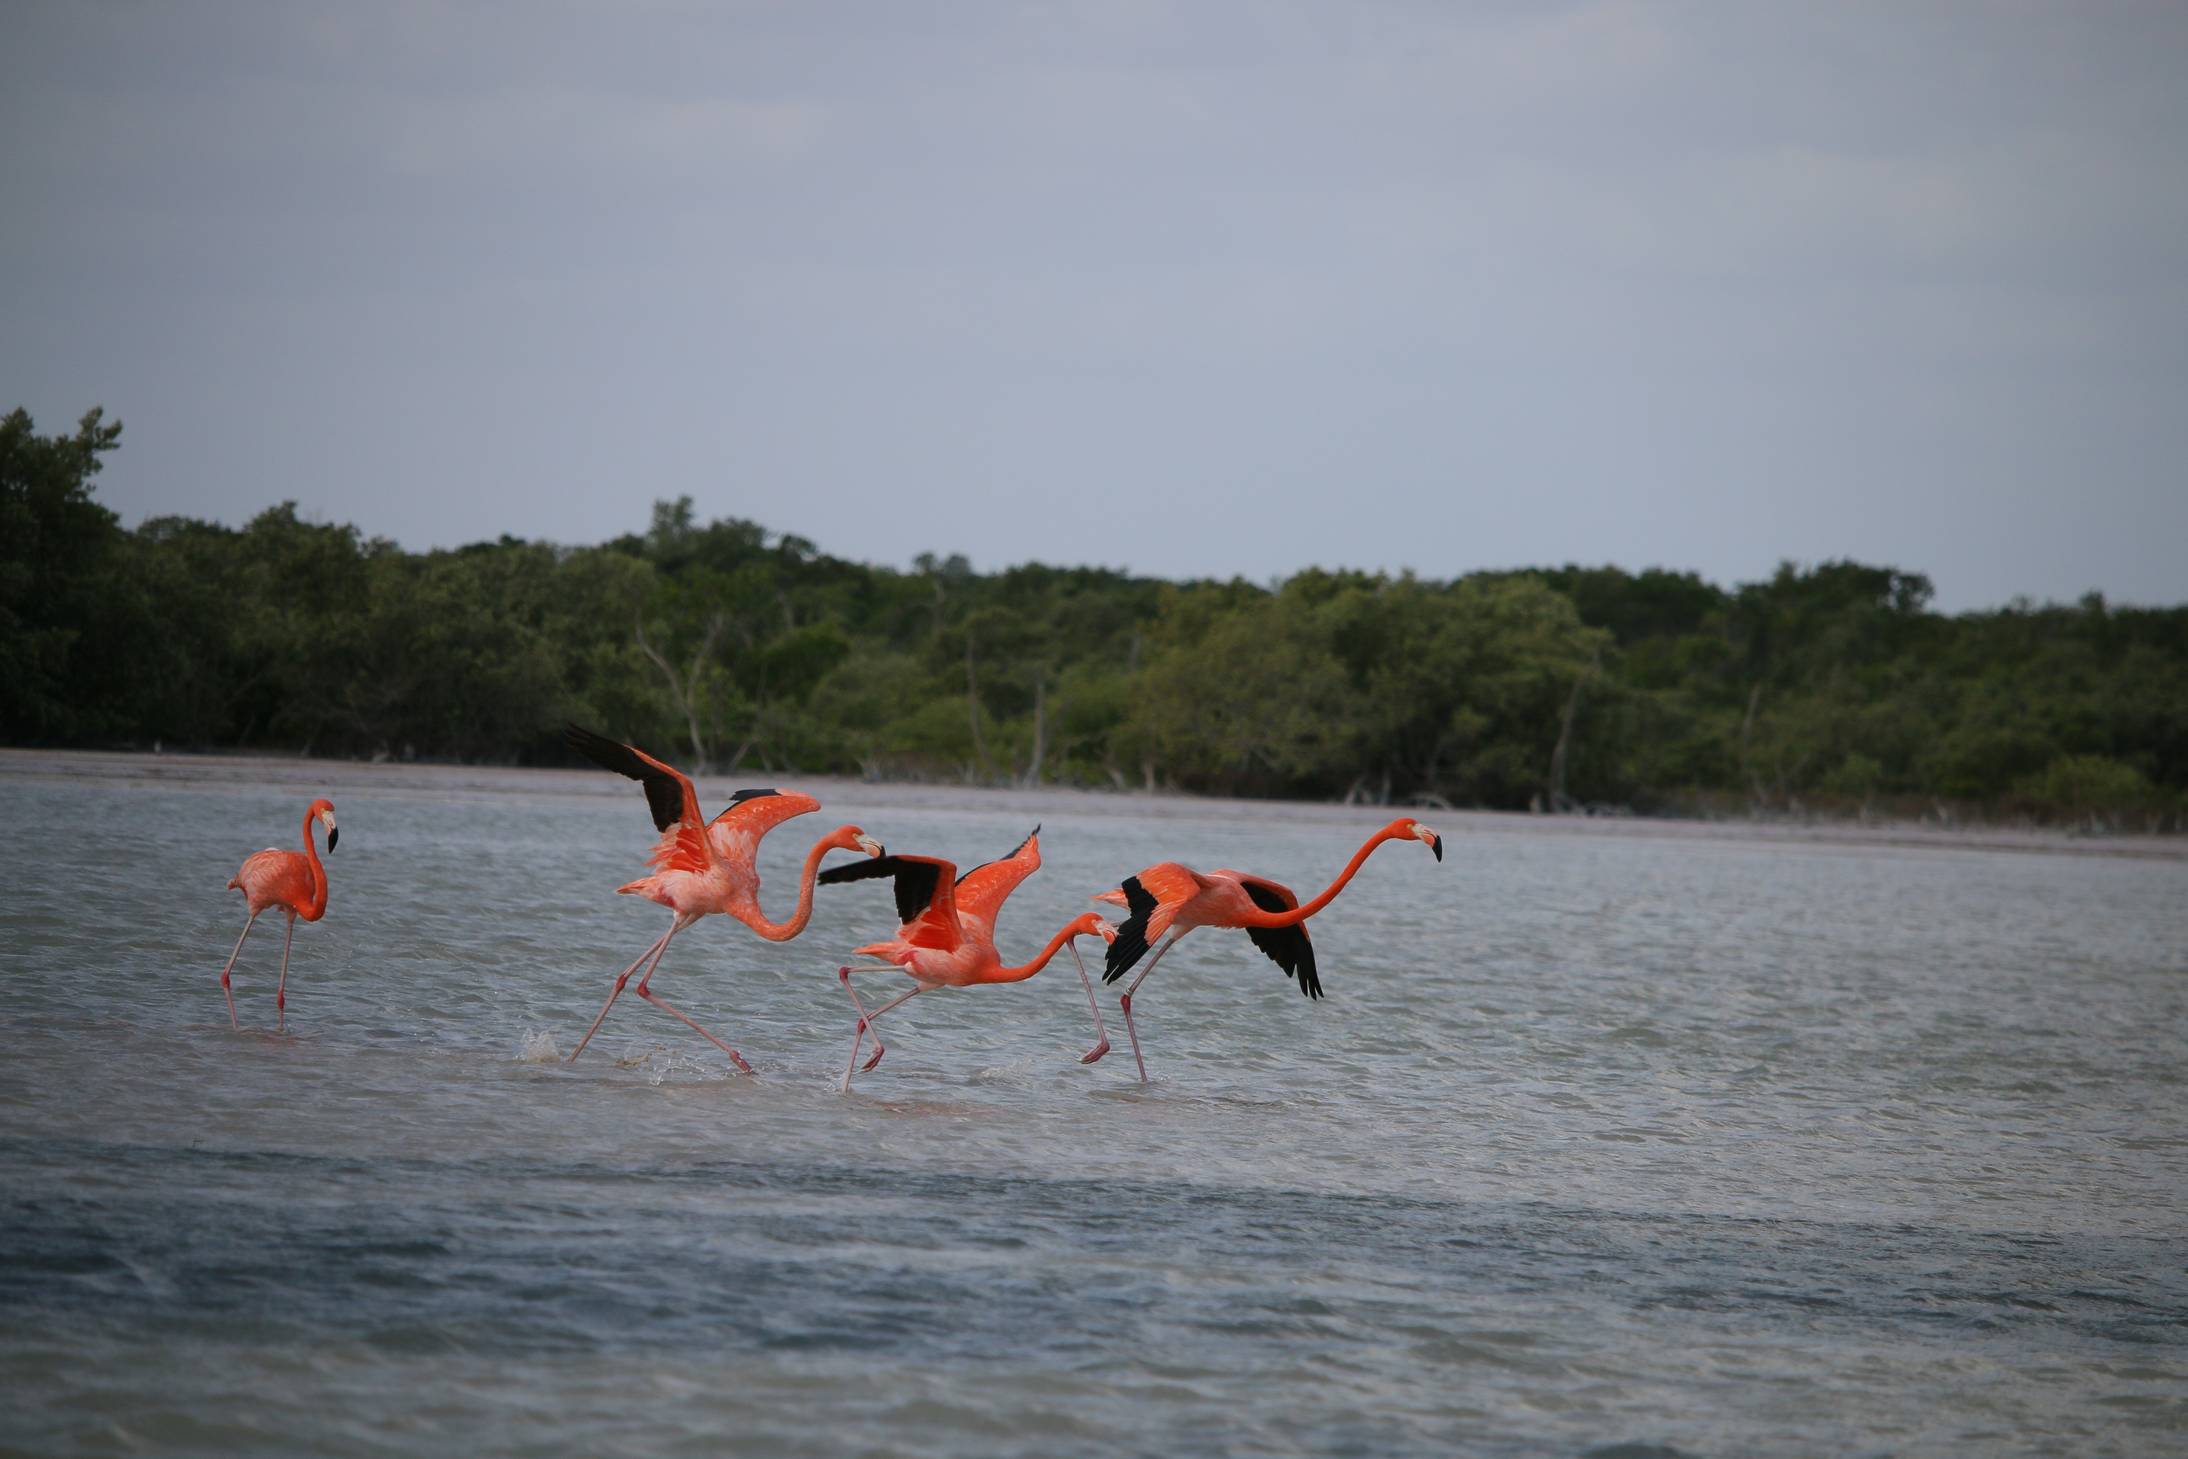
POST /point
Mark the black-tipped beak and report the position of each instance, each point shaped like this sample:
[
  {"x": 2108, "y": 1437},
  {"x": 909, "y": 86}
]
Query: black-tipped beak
[
  {"x": 1436, "y": 845},
  {"x": 334, "y": 834}
]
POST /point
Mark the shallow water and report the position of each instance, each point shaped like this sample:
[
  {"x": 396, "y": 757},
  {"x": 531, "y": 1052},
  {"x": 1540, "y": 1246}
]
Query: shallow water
[{"x": 1639, "y": 1140}]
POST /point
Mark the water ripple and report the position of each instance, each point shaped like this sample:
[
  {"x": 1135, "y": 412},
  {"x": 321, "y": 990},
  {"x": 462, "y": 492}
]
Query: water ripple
[{"x": 1628, "y": 1145}]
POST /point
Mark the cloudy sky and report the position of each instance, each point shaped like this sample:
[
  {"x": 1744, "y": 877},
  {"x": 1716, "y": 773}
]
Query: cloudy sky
[{"x": 1186, "y": 288}]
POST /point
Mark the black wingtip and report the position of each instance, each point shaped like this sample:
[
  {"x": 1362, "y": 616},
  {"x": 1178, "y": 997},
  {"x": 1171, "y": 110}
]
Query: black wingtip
[
  {"x": 915, "y": 887},
  {"x": 1128, "y": 949},
  {"x": 855, "y": 871},
  {"x": 1291, "y": 950},
  {"x": 1310, "y": 982},
  {"x": 1131, "y": 943},
  {"x": 606, "y": 753},
  {"x": 915, "y": 880},
  {"x": 664, "y": 793}
]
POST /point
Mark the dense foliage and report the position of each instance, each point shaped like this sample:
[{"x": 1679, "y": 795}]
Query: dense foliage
[{"x": 724, "y": 645}]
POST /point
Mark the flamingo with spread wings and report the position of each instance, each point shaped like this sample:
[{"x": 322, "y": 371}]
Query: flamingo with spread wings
[
  {"x": 948, "y": 936},
  {"x": 701, "y": 867},
  {"x": 1170, "y": 898}
]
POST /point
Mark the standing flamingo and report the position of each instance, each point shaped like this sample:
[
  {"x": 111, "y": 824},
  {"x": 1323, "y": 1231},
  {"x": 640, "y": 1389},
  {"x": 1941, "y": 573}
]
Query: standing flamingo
[
  {"x": 703, "y": 867},
  {"x": 1167, "y": 897},
  {"x": 948, "y": 936},
  {"x": 291, "y": 880}
]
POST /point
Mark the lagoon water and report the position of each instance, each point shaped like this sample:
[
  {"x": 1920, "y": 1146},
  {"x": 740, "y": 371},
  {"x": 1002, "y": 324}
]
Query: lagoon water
[{"x": 1623, "y": 1140}]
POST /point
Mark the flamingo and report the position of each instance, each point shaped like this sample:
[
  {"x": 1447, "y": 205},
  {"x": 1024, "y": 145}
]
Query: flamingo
[
  {"x": 1168, "y": 897},
  {"x": 702, "y": 866},
  {"x": 291, "y": 880},
  {"x": 948, "y": 936}
]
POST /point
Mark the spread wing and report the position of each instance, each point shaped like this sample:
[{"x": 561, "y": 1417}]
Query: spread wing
[
  {"x": 757, "y": 812},
  {"x": 669, "y": 795},
  {"x": 982, "y": 891},
  {"x": 1287, "y": 947},
  {"x": 926, "y": 901},
  {"x": 1152, "y": 900}
]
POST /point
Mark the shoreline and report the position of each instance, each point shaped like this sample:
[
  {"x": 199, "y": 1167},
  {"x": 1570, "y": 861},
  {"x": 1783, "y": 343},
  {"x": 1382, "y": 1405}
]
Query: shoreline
[{"x": 188, "y": 770}]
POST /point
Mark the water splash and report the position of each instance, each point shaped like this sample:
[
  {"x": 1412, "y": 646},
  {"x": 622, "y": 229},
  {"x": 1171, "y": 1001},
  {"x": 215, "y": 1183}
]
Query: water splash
[
  {"x": 540, "y": 1048},
  {"x": 662, "y": 1064},
  {"x": 1013, "y": 1071}
]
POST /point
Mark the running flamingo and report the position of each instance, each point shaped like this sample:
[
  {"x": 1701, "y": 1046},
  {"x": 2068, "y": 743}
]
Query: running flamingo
[
  {"x": 1167, "y": 897},
  {"x": 703, "y": 867},
  {"x": 948, "y": 936},
  {"x": 291, "y": 880}
]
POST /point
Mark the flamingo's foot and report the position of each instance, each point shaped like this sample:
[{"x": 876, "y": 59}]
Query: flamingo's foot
[
  {"x": 1095, "y": 1053},
  {"x": 739, "y": 1060},
  {"x": 868, "y": 1066}
]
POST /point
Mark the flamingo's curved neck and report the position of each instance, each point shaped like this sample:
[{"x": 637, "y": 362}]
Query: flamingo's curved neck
[
  {"x": 1055, "y": 944},
  {"x": 318, "y": 872},
  {"x": 803, "y": 913},
  {"x": 1300, "y": 913}
]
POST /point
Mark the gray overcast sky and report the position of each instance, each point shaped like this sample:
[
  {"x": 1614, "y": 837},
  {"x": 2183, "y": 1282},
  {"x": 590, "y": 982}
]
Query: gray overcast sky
[{"x": 1187, "y": 288}]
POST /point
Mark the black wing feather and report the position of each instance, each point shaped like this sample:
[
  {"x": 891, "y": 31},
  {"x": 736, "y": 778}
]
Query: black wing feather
[
  {"x": 664, "y": 795},
  {"x": 1287, "y": 947},
  {"x": 744, "y": 795},
  {"x": 1131, "y": 943},
  {"x": 915, "y": 880}
]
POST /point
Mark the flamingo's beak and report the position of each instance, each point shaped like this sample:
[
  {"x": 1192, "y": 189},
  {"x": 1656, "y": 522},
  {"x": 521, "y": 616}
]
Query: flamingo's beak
[
  {"x": 1435, "y": 842},
  {"x": 1106, "y": 928},
  {"x": 326, "y": 818},
  {"x": 868, "y": 844}
]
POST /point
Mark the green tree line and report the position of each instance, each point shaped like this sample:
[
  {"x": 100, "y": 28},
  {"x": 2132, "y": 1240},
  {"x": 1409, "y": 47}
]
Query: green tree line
[{"x": 726, "y": 646}]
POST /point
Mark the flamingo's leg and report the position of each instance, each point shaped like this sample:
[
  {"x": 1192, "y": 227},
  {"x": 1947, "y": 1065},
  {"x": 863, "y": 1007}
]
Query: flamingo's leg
[
  {"x": 1101, "y": 1034},
  {"x": 865, "y": 1021},
  {"x": 646, "y": 992},
  {"x": 1125, "y": 1002},
  {"x": 231, "y": 963},
  {"x": 657, "y": 946},
  {"x": 845, "y": 975},
  {"x": 666, "y": 1007},
  {"x": 281, "y": 989},
  {"x": 682, "y": 921}
]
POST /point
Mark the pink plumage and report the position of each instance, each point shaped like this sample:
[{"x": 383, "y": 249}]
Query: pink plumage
[
  {"x": 294, "y": 881},
  {"x": 701, "y": 868}
]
